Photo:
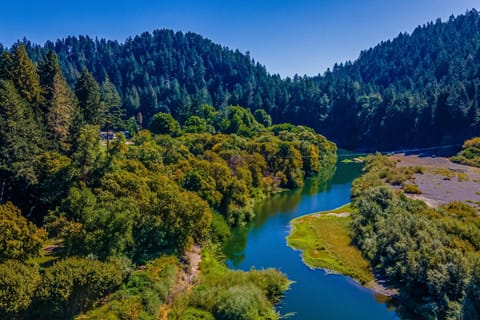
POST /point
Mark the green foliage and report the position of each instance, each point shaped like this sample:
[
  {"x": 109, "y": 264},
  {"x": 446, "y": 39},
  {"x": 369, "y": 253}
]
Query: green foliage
[
  {"x": 61, "y": 107},
  {"x": 263, "y": 117},
  {"x": 196, "y": 314},
  {"x": 239, "y": 121},
  {"x": 164, "y": 123},
  {"x": 220, "y": 230},
  {"x": 470, "y": 155},
  {"x": 132, "y": 126},
  {"x": 141, "y": 296},
  {"x": 89, "y": 224},
  {"x": 195, "y": 124},
  {"x": 427, "y": 253},
  {"x": 136, "y": 200},
  {"x": 420, "y": 84},
  {"x": 111, "y": 106},
  {"x": 20, "y": 139},
  {"x": 88, "y": 94},
  {"x": 19, "y": 238},
  {"x": 231, "y": 294},
  {"x": 239, "y": 303},
  {"x": 88, "y": 157},
  {"x": 17, "y": 286},
  {"x": 411, "y": 188},
  {"x": 73, "y": 285},
  {"x": 24, "y": 74}
]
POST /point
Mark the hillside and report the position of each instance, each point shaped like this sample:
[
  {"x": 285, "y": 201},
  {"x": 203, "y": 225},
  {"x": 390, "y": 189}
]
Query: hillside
[{"x": 424, "y": 84}]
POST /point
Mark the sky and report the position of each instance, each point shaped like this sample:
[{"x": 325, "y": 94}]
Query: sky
[{"x": 287, "y": 36}]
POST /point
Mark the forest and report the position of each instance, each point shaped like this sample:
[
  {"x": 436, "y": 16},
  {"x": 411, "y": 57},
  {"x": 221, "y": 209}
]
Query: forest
[
  {"x": 99, "y": 228},
  {"x": 424, "y": 84},
  {"x": 80, "y": 216}
]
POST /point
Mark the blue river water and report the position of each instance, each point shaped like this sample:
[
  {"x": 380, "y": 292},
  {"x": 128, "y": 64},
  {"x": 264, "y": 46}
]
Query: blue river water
[{"x": 314, "y": 294}]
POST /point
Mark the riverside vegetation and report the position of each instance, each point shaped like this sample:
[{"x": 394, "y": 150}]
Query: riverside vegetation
[
  {"x": 99, "y": 211},
  {"x": 432, "y": 256},
  {"x": 325, "y": 241},
  {"x": 470, "y": 155}
]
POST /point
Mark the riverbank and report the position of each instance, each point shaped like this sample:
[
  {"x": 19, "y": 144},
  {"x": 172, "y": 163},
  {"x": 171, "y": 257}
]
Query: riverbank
[
  {"x": 325, "y": 242},
  {"x": 442, "y": 181}
]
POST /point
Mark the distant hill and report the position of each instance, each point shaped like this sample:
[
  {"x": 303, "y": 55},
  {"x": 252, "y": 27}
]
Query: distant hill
[{"x": 419, "y": 89}]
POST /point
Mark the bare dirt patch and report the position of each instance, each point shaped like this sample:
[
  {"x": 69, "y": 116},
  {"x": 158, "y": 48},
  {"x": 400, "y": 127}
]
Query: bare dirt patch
[
  {"x": 443, "y": 181},
  {"x": 186, "y": 278}
]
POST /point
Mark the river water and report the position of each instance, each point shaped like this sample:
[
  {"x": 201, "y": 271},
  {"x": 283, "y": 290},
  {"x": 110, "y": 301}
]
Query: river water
[{"x": 314, "y": 294}]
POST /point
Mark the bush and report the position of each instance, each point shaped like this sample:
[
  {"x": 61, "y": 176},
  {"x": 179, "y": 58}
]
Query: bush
[
  {"x": 196, "y": 314},
  {"x": 19, "y": 238},
  {"x": 73, "y": 285},
  {"x": 411, "y": 188},
  {"x": 18, "y": 282},
  {"x": 238, "y": 303}
]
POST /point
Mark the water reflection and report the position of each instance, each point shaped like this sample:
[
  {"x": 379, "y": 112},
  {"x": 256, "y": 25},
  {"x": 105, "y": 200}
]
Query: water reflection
[
  {"x": 280, "y": 204},
  {"x": 262, "y": 244}
]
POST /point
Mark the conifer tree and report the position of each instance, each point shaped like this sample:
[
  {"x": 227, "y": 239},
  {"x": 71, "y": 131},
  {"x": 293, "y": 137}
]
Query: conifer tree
[
  {"x": 111, "y": 107},
  {"x": 60, "y": 103},
  {"x": 26, "y": 79},
  {"x": 87, "y": 91},
  {"x": 20, "y": 140}
]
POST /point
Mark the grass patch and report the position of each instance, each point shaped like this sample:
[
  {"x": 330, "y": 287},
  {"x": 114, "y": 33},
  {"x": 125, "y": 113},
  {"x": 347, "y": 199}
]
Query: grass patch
[
  {"x": 461, "y": 176},
  {"x": 411, "y": 188},
  {"x": 445, "y": 172},
  {"x": 325, "y": 242}
]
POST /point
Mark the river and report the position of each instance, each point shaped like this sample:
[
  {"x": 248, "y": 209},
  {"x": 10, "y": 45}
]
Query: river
[{"x": 314, "y": 294}]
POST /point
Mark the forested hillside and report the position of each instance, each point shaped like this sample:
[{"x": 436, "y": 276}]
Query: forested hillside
[
  {"x": 78, "y": 216},
  {"x": 424, "y": 84}
]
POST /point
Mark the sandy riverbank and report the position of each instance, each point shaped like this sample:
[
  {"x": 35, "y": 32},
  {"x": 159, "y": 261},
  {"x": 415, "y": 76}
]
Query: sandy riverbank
[{"x": 443, "y": 181}]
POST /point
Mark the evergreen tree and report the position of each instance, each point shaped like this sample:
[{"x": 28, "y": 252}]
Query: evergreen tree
[
  {"x": 25, "y": 77},
  {"x": 20, "y": 141},
  {"x": 60, "y": 103},
  {"x": 112, "y": 107},
  {"x": 87, "y": 91}
]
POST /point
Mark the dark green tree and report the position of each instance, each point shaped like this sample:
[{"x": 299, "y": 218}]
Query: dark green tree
[
  {"x": 112, "y": 107},
  {"x": 88, "y": 94},
  {"x": 17, "y": 287},
  {"x": 164, "y": 123},
  {"x": 60, "y": 104},
  {"x": 20, "y": 144},
  {"x": 73, "y": 285}
]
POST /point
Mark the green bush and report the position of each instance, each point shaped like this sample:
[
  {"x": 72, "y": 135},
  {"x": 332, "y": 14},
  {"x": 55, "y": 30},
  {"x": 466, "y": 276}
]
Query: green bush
[
  {"x": 411, "y": 188},
  {"x": 73, "y": 285},
  {"x": 18, "y": 282},
  {"x": 196, "y": 314}
]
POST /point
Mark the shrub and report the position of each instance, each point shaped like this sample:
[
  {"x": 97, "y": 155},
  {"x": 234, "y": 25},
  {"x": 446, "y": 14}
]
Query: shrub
[
  {"x": 411, "y": 188},
  {"x": 19, "y": 238},
  {"x": 18, "y": 282}
]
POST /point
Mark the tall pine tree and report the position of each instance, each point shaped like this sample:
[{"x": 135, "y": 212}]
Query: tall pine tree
[
  {"x": 87, "y": 91},
  {"x": 60, "y": 103}
]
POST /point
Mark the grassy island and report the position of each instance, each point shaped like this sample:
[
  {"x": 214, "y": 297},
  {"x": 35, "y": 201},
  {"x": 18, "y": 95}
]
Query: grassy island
[{"x": 325, "y": 241}]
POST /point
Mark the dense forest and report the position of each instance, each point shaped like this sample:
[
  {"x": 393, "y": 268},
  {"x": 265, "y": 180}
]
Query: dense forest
[
  {"x": 430, "y": 255},
  {"x": 79, "y": 216},
  {"x": 423, "y": 84}
]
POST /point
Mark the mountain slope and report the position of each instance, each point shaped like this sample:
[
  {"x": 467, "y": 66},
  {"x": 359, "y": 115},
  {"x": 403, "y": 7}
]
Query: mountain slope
[{"x": 415, "y": 90}]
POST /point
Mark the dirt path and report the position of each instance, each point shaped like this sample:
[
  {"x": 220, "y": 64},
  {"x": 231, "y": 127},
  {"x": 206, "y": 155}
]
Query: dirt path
[
  {"x": 443, "y": 181},
  {"x": 186, "y": 278}
]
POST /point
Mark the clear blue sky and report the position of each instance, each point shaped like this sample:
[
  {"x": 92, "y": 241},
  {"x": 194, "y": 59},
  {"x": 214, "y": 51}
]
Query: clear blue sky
[{"x": 288, "y": 36}]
